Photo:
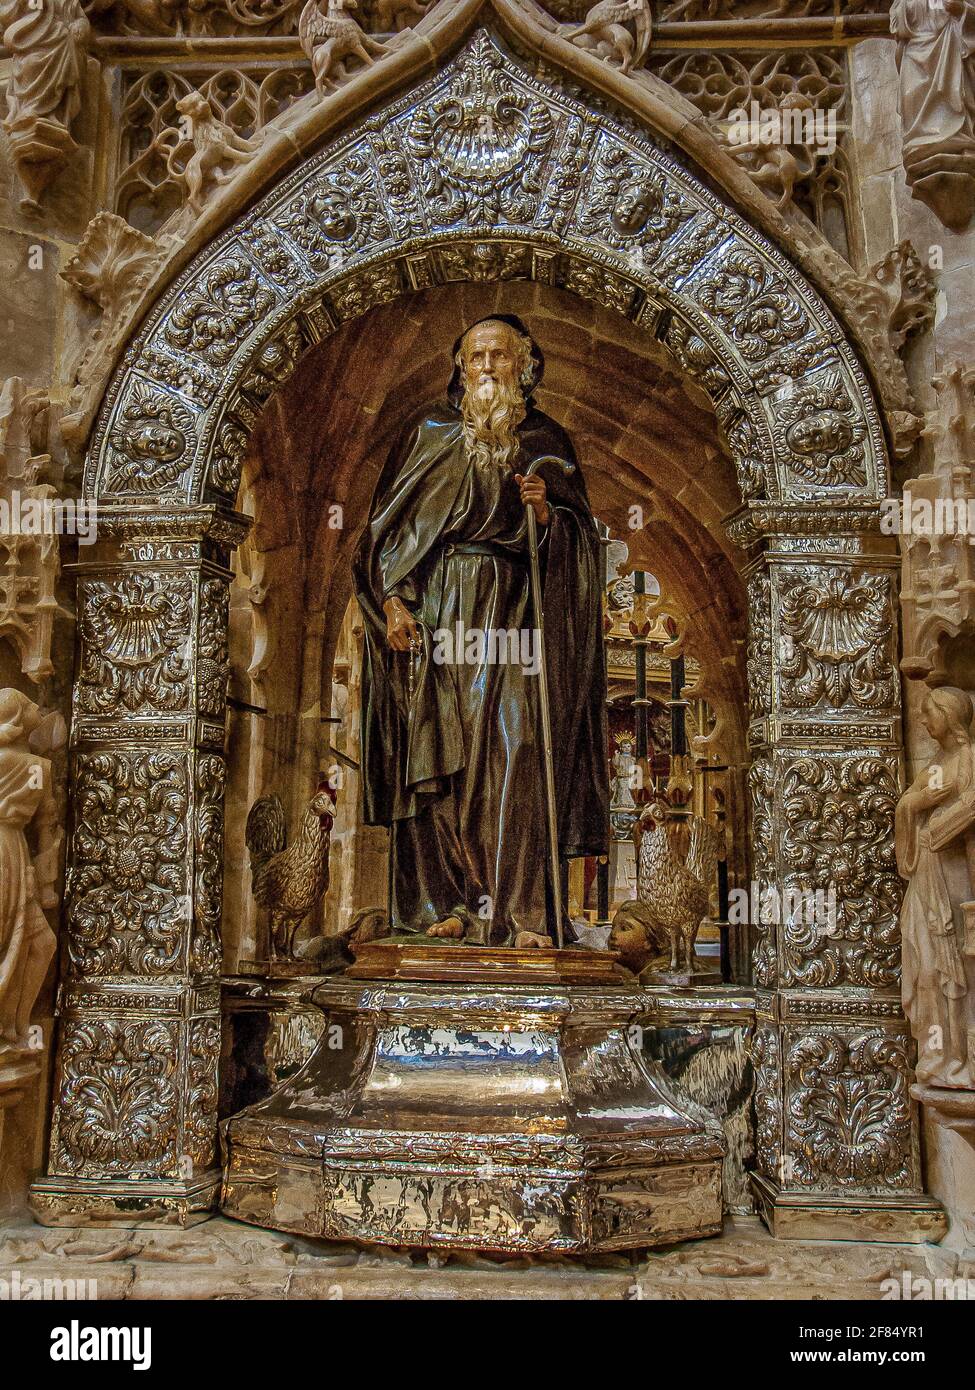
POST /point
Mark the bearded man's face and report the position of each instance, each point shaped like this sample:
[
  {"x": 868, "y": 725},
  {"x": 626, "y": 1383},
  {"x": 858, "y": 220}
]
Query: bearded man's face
[{"x": 494, "y": 404}]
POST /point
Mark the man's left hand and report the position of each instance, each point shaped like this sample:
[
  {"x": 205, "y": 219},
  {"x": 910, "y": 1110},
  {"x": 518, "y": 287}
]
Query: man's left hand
[{"x": 533, "y": 494}]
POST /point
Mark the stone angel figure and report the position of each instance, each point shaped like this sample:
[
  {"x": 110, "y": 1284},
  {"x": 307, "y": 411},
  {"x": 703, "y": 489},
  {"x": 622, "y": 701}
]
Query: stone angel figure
[
  {"x": 27, "y": 884},
  {"x": 935, "y": 843}
]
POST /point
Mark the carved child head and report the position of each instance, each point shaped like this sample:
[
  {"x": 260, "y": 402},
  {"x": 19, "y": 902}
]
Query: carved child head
[{"x": 636, "y": 203}]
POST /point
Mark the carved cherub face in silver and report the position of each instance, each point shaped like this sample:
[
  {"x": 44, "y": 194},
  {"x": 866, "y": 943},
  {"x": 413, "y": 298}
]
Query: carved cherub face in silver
[
  {"x": 822, "y": 432},
  {"x": 334, "y": 216},
  {"x": 156, "y": 441},
  {"x": 635, "y": 202}
]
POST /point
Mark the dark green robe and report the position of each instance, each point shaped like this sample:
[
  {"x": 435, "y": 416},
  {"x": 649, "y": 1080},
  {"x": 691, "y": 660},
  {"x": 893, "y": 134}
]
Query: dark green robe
[{"x": 451, "y": 751}]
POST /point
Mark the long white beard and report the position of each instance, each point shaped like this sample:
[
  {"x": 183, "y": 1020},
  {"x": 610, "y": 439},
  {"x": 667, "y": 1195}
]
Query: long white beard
[{"x": 492, "y": 412}]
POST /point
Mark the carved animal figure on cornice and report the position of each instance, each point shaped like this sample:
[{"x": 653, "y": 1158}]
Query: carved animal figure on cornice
[
  {"x": 330, "y": 38},
  {"x": 141, "y": 16},
  {"x": 48, "y": 43},
  {"x": 778, "y": 166},
  {"x": 27, "y": 883},
  {"x": 605, "y": 32},
  {"x": 289, "y": 880},
  {"x": 397, "y": 14},
  {"x": 215, "y": 147}
]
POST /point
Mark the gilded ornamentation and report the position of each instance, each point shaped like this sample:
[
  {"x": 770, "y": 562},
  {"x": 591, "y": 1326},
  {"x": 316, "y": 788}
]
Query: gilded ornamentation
[
  {"x": 631, "y": 205},
  {"x": 134, "y": 631},
  {"x": 118, "y": 1097},
  {"x": 275, "y": 362},
  {"x": 766, "y": 1060},
  {"x": 746, "y": 453},
  {"x": 839, "y": 631},
  {"x": 359, "y": 293},
  {"x": 201, "y": 1110},
  {"x": 761, "y": 787},
  {"x": 128, "y": 882},
  {"x": 208, "y": 845},
  {"x": 212, "y": 660},
  {"x": 487, "y": 145},
  {"x": 592, "y": 282},
  {"x": 819, "y": 433},
  {"x": 227, "y": 457},
  {"x": 484, "y": 261},
  {"x": 849, "y": 1110},
  {"x": 759, "y": 644}
]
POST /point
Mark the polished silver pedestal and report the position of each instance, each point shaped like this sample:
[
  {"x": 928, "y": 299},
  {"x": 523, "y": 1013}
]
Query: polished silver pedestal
[{"x": 483, "y": 1099}]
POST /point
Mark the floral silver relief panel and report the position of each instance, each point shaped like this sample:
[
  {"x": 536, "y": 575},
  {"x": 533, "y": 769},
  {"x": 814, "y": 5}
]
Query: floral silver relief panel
[
  {"x": 118, "y": 1109},
  {"x": 128, "y": 883},
  {"x": 848, "y": 1110}
]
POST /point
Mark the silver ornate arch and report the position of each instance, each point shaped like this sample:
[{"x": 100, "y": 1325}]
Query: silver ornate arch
[{"x": 489, "y": 170}]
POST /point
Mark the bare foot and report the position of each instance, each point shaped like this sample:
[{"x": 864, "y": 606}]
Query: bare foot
[
  {"x": 450, "y": 926},
  {"x": 532, "y": 941}
]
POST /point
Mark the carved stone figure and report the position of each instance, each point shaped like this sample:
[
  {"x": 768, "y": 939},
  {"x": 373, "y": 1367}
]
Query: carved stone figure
[
  {"x": 48, "y": 43},
  {"x": 674, "y": 884},
  {"x": 936, "y": 62},
  {"x": 330, "y": 38},
  {"x": 27, "y": 886},
  {"x": 29, "y": 556},
  {"x": 398, "y": 14},
  {"x": 451, "y": 756},
  {"x": 935, "y": 839},
  {"x": 606, "y": 33},
  {"x": 777, "y": 166},
  {"x": 217, "y": 149},
  {"x": 289, "y": 880}
]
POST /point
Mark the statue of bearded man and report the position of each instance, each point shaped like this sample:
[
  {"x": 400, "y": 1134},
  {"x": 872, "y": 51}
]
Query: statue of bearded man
[{"x": 451, "y": 738}]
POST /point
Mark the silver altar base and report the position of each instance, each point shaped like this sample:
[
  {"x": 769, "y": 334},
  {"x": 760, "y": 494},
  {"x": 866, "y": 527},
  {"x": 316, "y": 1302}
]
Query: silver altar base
[{"x": 480, "y": 1099}]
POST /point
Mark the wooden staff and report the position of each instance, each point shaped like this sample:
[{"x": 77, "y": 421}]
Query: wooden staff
[{"x": 538, "y": 607}]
